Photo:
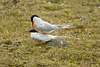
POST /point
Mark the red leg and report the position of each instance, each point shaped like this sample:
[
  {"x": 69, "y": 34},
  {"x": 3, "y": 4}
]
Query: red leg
[
  {"x": 44, "y": 33},
  {"x": 42, "y": 43}
]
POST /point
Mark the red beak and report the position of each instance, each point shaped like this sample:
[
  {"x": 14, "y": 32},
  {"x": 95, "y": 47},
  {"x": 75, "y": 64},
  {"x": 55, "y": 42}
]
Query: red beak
[{"x": 32, "y": 24}]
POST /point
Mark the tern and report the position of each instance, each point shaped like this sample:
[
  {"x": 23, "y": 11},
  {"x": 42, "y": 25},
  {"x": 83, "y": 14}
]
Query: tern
[
  {"x": 42, "y": 38},
  {"x": 44, "y": 26}
]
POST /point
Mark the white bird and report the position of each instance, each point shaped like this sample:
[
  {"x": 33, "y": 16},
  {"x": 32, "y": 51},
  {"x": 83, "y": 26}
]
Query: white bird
[
  {"x": 42, "y": 38},
  {"x": 46, "y": 27}
]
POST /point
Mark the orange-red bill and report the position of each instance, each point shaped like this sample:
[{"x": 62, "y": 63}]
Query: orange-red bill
[{"x": 27, "y": 32}]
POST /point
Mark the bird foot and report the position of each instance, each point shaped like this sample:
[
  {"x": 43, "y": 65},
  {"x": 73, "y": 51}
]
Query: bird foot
[
  {"x": 44, "y": 33},
  {"x": 40, "y": 44}
]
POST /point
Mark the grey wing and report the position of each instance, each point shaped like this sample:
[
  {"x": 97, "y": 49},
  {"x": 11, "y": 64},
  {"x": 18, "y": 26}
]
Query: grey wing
[
  {"x": 46, "y": 28},
  {"x": 43, "y": 38},
  {"x": 57, "y": 27}
]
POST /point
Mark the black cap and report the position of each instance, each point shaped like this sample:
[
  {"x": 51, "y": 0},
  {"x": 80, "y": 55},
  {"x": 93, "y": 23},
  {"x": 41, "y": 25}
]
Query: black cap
[
  {"x": 33, "y": 17},
  {"x": 33, "y": 31}
]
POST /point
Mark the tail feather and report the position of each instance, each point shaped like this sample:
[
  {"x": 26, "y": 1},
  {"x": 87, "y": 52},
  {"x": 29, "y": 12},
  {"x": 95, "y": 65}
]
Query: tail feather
[
  {"x": 63, "y": 36},
  {"x": 63, "y": 26},
  {"x": 66, "y": 26},
  {"x": 55, "y": 37}
]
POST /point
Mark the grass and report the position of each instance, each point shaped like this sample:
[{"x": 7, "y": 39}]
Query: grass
[{"x": 15, "y": 20}]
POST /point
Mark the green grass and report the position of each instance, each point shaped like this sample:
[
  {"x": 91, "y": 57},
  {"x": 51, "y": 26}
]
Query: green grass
[{"x": 15, "y": 20}]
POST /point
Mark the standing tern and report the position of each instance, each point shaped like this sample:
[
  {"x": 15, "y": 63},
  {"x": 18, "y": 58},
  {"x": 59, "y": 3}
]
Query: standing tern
[
  {"x": 42, "y": 38},
  {"x": 44, "y": 26}
]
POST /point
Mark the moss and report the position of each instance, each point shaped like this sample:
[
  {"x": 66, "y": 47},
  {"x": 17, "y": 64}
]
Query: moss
[
  {"x": 53, "y": 6},
  {"x": 55, "y": 1}
]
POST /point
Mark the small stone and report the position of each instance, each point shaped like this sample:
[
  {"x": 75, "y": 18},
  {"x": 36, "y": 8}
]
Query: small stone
[
  {"x": 82, "y": 18},
  {"x": 14, "y": 43},
  {"x": 3, "y": 52},
  {"x": 98, "y": 6},
  {"x": 62, "y": 3},
  {"x": 49, "y": 2},
  {"x": 92, "y": 22},
  {"x": 2, "y": 44},
  {"x": 57, "y": 43}
]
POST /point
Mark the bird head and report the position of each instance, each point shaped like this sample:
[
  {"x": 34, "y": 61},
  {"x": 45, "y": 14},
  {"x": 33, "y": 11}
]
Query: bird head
[
  {"x": 31, "y": 31},
  {"x": 32, "y": 17}
]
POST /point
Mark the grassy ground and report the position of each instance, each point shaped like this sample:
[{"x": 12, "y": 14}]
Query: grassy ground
[{"x": 15, "y": 20}]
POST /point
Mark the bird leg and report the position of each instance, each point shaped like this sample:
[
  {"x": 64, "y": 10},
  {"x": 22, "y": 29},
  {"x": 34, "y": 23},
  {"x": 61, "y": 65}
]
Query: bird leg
[
  {"x": 44, "y": 33},
  {"x": 40, "y": 44}
]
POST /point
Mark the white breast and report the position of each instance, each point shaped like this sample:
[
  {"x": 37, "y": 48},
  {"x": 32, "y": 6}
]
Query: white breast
[{"x": 40, "y": 37}]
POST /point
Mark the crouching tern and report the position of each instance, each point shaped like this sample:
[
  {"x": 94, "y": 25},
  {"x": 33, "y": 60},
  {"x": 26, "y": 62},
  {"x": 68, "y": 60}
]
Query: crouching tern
[
  {"x": 42, "y": 38},
  {"x": 44, "y": 26}
]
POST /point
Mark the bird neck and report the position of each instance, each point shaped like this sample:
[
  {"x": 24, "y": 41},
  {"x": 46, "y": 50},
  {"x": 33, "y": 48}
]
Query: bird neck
[
  {"x": 33, "y": 34},
  {"x": 37, "y": 20}
]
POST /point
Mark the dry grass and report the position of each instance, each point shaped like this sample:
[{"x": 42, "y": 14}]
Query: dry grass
[{"x": 15, "y": 20}]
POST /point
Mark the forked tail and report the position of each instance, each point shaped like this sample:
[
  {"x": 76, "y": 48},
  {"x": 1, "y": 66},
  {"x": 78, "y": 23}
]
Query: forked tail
[{"x": 63, "y": 26}]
